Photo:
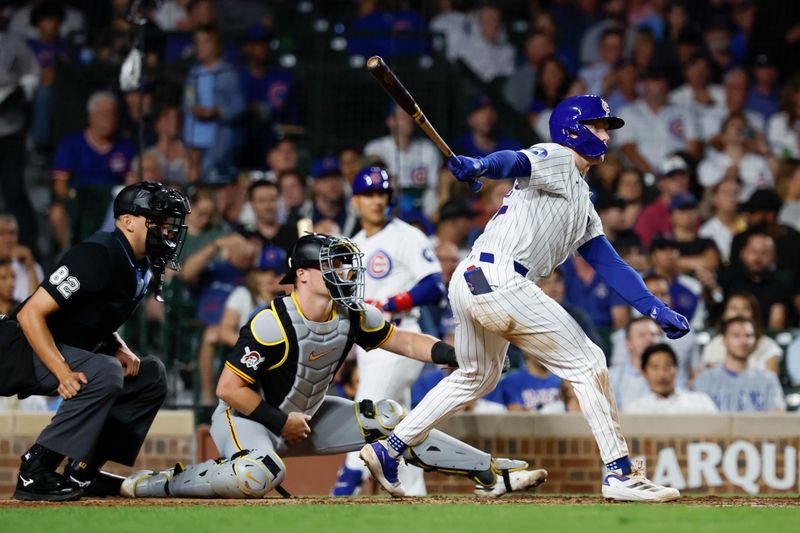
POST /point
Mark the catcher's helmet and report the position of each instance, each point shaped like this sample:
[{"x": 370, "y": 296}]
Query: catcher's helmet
[
  {"x": 340, "y": 262},
  {"x": 165, "y": 211},
  {"x": 568, "y": 119}
]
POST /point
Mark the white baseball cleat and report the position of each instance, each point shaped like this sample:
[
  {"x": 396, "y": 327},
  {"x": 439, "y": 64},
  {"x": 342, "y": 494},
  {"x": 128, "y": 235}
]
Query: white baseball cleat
[
  {"x": 635, "y": 487},
  {"x": 518, "y": 480}
]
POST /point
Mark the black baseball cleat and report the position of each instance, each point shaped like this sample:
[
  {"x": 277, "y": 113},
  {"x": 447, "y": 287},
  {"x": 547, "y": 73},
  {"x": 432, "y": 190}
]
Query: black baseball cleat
[{"x": 46, "y": 486}]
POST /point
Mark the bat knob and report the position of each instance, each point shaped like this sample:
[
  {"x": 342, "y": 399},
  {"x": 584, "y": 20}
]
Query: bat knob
[{"x": 475, "y": 185}]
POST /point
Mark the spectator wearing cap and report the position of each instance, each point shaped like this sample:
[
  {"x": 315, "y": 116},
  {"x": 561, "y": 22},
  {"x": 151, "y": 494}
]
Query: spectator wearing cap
[
  {"x": 482, "y": 139},
  {"x": 756, "y": 273},
  {"x": 263, "y": 197},
  {"x": 726, "y": 220},
  {"x": 655, "y": 128},
  {"x": 783, "y": 129},
  {"x": 659, "y": 367},
  {"x": 260, "y": 288},
  {"x": 86, "y": 166},
  {"x": 455, "y": 222},
  {"x": 586, "y": 290},
  {"x": 597, "y": 75},
  {"x": 484, "y": 46},
  {"x": 761, "y": 214},
  {"x": 764, "y": 96},
  {"x": 733, "y": 386},
  {"x": 413, "y": 162},
  {"x": 519, "y": 86},
  {"x": 268, "y": 92},
  {"x": 734, "y": 85},
  {"x": 739, "y": 156},
  {"x": 685, "y": 291},
  {"x": 213, "y": 103},
  {"x": 328, "y": 198},
  {"x": 696, "y": 253},
  {"x": 654, "y": 218}
]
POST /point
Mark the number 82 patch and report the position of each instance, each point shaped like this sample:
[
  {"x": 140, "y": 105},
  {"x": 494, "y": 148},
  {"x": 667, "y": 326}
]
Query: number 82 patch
[{"x": 65, "y": 284}]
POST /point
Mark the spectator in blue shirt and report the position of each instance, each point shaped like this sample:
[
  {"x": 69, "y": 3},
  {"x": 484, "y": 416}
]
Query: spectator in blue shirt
[
  {"x": 86, "y": 166},
  {"x": 765, "y": 96},
  {"x": 586, "y": 290},
  {"x": 213, "y": 105},
  {"x": 386, "y": 33},
  {"x": 268, "y": 93},
  {"x": 530, "y": 388},
  {"x": 482, "y": 139}
]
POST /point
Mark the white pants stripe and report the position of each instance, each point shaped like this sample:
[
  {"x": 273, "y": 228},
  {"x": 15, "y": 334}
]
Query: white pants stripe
[{"x": 517, "y": 311}]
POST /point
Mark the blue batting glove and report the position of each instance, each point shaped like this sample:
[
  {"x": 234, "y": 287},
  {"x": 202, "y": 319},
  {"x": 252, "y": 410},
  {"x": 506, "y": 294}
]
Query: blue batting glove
[
  {"x": 674, "y": 324},
  {"x": 465, "y": 168}
]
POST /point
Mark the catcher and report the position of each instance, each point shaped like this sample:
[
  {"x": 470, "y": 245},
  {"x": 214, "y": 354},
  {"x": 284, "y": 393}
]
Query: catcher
[{"x": 272, "y": 390}]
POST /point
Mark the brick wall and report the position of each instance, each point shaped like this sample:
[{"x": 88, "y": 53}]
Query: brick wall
[{"x": 171, "y": 439}]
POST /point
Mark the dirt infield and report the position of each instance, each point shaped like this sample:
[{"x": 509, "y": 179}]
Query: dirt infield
[{"x": 692, "y": 501}]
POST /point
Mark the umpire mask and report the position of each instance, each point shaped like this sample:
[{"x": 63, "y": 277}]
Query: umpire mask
[{"x": 165, "y": 213}]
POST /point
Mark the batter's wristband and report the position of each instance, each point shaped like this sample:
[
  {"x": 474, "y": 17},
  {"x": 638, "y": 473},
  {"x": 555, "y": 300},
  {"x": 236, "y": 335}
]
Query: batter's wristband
[
  {"x": 444, "y": 354},
  {"x": 270, "y": 417},
  {"x": 402, "y": 302}
]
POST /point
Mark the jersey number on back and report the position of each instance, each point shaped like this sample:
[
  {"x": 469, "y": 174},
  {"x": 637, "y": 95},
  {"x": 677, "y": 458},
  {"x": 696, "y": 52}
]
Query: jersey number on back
[{"x": 66, "y": 284}]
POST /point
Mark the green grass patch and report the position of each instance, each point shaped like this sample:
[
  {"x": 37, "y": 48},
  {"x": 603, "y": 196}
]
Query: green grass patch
[{"x": 450, "y": 518}]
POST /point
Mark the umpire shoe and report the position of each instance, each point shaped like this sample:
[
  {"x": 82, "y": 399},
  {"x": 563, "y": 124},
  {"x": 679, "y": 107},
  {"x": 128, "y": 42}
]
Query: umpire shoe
[
  {"x": 383, "y": 467},
  {"x": 46, "y": 486}
]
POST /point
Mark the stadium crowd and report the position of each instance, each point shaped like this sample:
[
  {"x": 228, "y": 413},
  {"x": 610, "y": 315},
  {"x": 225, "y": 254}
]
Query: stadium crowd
[{"x": 700, "y": 191}]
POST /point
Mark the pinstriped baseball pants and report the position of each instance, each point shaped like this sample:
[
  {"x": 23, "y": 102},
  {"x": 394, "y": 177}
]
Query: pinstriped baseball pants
[{"x": 517, "y": 311}]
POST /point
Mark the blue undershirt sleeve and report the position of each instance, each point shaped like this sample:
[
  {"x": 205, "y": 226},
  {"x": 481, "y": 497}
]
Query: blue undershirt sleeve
[{"x": 506, "y": 164}]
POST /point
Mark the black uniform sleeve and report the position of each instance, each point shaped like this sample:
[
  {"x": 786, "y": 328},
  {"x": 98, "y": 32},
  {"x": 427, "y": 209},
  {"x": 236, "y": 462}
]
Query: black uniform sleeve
[
  {"x": 253, "y": 354},
  {"x": 84, "y": 269},
  {"x": 373, "y": 329}
]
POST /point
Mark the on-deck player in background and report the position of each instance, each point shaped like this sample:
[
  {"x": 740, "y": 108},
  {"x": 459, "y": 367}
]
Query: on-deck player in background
[
  {"x": 545, "y": 218},
  {"x": 402, "y": 273}
]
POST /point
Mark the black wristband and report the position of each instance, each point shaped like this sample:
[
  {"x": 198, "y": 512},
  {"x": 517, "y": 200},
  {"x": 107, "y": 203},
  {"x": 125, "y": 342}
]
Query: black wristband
[
  {"x": 444, "y": 354},
  {"x": 270, "y": 417}
]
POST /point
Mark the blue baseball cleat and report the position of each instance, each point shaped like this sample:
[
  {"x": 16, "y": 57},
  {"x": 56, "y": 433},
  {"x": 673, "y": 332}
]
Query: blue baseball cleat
[
  {"x": 348, "y": 482},
  {"x": 383, "y": 467}
]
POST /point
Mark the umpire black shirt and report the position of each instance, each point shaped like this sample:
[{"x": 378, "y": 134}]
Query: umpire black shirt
[{"x": 97, "y": 285}]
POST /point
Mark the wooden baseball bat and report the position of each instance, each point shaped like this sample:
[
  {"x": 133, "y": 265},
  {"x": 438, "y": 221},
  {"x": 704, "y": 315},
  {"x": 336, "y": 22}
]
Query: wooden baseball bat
[{"x": 392, "y": 85}]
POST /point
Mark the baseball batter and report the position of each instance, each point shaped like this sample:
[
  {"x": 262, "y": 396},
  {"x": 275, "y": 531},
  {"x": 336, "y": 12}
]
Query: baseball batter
[
  {"x": 402, "y": 273},
  {"x": 546, "y": 217},
  {"x": 272, "y": 390}
]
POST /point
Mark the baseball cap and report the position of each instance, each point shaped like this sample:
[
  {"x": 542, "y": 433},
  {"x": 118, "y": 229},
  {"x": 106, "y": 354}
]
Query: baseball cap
[
  {"x": 672, "y": 165},
  {"x": 763, "y": 59},
  {"x": 683, "y": 201},
  {"x": 456, "y": 209},
  {"x": 272, "y": 258},
  {"x": 763, "y": 200},
  {"x": 479, "y": 102},
  {"x": 328, "y": 166},
  {"x": 257, "y": 34},
  {"x": 609, "y": 201}
]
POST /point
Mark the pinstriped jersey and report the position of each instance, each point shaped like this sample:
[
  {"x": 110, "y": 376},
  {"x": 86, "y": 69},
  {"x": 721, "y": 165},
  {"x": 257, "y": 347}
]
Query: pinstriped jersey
[
  {"x": 546, "y": 216},
  {"x": 292, "y": 360}
]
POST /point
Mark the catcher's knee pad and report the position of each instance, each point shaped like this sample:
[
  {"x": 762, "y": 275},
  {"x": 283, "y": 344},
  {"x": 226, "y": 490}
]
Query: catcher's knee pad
[
  {"x": 378, "y": 419},
  {"x": 248, "y": 474}
]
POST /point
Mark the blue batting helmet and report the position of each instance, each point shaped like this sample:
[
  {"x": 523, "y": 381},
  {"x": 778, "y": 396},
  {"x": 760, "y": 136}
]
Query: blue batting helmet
[
  {"x": 568, "y": 119},
  {"x": 371, "y": 179}
]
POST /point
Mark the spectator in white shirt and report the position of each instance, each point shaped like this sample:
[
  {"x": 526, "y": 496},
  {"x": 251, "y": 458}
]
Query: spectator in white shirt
[
  {"x": 598, "y": 76},
  {"x": 739, "y": 156},
  {"x": 783, "y": 128},
  {"x": 626, "y": 377},
  {"x": 484, "y": 48},
  {"x": 654, "y": 128},
  {"x": 788, "y": 187},
  {"x": 726, "y": 221},
  {"x": 698, "y": 93},
  {"x": 735, "y": 97},
  {"x": 766, "y": 353},
  {"x": 660, "y": 369}
]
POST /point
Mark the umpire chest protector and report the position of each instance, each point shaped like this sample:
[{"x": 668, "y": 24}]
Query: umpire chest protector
[{"x": 313, "y": 353}]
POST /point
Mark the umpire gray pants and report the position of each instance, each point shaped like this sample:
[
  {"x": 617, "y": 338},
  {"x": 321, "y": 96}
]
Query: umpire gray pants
[
  {"x": 334, "y": 429},
  {"x": 110, "y": 416}
]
